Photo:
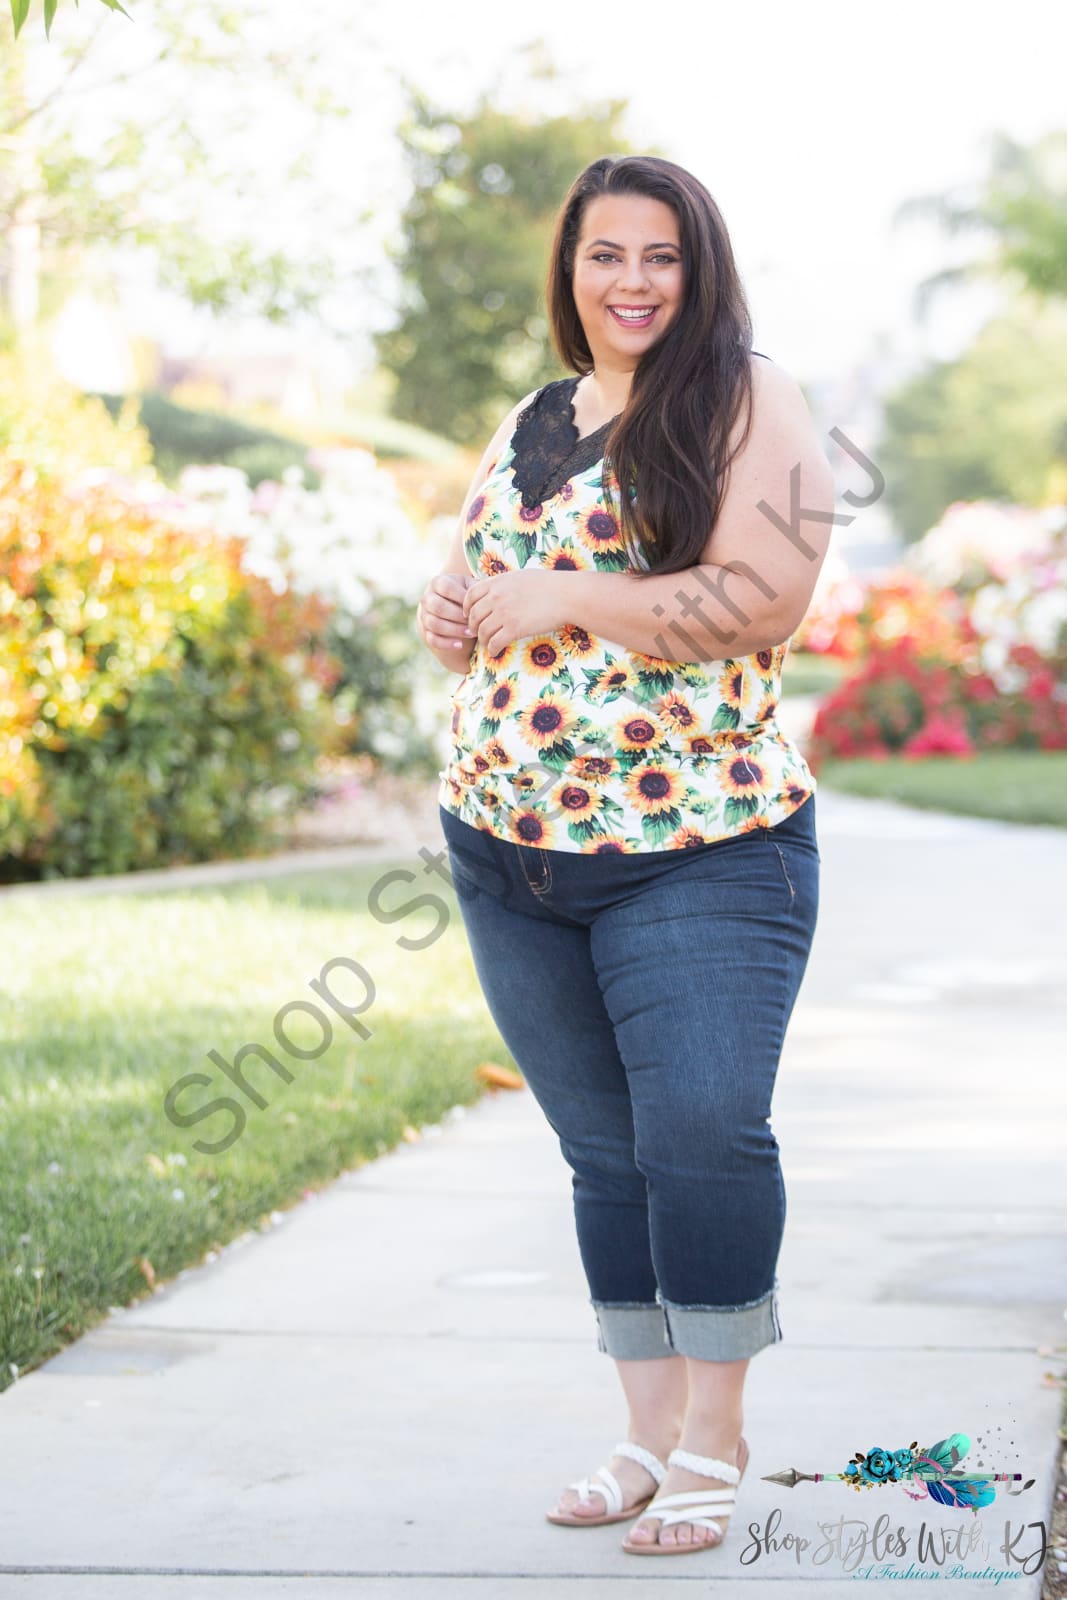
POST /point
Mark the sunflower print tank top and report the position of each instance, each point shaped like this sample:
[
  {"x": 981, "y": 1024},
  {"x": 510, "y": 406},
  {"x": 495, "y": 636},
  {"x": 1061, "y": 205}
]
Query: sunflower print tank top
[{"x": 566, "y": 741}]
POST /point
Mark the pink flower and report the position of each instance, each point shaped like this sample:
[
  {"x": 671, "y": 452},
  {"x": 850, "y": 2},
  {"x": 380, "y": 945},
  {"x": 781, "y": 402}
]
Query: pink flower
[{"x": 940, "y": 736}]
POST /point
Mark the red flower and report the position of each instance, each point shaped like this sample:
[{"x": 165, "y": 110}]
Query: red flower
[{"x": 940, "y": 736}]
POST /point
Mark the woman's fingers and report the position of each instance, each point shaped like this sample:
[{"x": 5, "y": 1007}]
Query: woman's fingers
[{"x": 441, "y": 616}]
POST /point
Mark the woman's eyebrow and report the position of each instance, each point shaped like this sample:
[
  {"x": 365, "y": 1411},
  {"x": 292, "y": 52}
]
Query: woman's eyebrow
[{"x": 659, "y": 245}]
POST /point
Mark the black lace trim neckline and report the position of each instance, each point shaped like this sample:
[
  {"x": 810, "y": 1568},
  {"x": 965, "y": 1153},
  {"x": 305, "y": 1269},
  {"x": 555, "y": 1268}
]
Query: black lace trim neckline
[{"x": 547, "y": 449}]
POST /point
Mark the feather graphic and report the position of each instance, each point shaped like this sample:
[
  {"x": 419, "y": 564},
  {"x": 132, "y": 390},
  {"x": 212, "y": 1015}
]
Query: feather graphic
[{"x": 967, "y": 1494}]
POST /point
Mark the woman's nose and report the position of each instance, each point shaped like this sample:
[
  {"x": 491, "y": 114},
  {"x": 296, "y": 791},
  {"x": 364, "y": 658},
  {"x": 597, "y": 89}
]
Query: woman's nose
[{"x": 633, "y": 275}]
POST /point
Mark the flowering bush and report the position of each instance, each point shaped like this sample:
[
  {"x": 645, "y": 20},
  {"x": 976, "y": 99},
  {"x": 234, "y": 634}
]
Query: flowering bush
[
  {"x": 156, "y": 702},
  {"x": 901, "y": 700},
  {"x": 855, "y": 618},
  {"x": 351, "y": 543},
  {"x": 45, "y": 420},
  {"x": 962, "y": 647},
  {"x": 977, "y": 542}
]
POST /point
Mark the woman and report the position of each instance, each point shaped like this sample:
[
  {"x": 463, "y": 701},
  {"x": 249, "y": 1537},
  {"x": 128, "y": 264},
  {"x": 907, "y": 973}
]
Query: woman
[{"x": 631, "y": 836}]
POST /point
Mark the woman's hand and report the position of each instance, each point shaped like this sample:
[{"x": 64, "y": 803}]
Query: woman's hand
[
  {"x": 442, "y": 622},
  {"x": 515, "y": 605}
]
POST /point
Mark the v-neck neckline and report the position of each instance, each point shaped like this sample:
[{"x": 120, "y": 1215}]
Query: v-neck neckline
[{"x": 576, "y": 437}]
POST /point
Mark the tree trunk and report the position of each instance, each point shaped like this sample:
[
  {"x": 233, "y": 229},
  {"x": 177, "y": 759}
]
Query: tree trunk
[{"x": 20, "y": 199}]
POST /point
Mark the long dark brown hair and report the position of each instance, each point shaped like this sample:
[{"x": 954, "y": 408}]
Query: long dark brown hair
[{"x": 671, "y": 442}]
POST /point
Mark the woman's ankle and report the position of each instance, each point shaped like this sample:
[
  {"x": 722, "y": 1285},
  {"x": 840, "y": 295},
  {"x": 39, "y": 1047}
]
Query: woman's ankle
[
  {"x": 657, "y": 1436},
  {"x": 712, "y": 1435}
]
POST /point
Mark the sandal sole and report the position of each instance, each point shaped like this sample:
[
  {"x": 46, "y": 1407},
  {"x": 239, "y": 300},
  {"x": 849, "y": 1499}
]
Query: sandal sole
[{"x": 627, "y": 1514}]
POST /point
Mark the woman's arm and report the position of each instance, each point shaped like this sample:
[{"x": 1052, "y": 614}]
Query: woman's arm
[
  {"x": 440, "y": 619},
  {"x": 760, "y": 565}
]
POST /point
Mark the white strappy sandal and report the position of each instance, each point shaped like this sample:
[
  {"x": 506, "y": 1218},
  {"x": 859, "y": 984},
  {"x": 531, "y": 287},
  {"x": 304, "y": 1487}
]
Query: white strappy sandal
[
  {"x": 610, "y": 1489},
  {"x": 700, "y": 1506}
]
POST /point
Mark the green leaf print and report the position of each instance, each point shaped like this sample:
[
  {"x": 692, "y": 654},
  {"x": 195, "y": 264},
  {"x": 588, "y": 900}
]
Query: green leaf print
[
  {"x": 610, "y": 560},
  {"x": 661, "y": 826},
  {"x": 653, "y": 682},
  {"x": 521, "y": 544},
  {"x": 582, "y": 832},
  {"x": 727, "y": 716},
  {"x": 738, "y": 807}
]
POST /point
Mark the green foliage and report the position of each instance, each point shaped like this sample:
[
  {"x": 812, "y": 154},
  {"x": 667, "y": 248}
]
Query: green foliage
[
  {"x": 473, "y": 336},
  {"x": 152, "y": 182},
  {"x": 382, "y": 661},
  {"x": 158, "y": 706},
  {"x": 990, "y": 425},
  {"x": 181, "y": 436},
  {"x": 1021, "y": 209},
  {"x": 20, "y": 10}
]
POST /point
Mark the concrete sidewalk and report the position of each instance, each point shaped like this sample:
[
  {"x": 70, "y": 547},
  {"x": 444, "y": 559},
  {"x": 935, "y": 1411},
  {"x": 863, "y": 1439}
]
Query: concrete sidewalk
[{"x": 381, "y": 1396}]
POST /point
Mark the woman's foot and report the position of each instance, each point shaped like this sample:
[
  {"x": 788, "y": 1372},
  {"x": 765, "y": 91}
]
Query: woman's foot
[
  {"x": 649, "y": 1529},
  {"x": 635, "y": 1481}
]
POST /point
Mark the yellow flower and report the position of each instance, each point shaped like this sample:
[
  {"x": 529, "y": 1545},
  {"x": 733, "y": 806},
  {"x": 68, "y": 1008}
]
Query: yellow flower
[
  {"x": 613, "y": 678},
  {"x": 677, "y": 713},
  {"x": 548, "y": 720},
  {"x": 575, "y": 641},
  {"x": 530, "y": 826},
  {"x": 489, "y": 565},
  {"x": 598, "y": 529},
  {"x": 686, "y": 838},
  {"x": 638, "y": 731},
  {"x": 593, "y": 769},
  {"x": 566, "y": 557},
  {"x": 499, "y": 701},
  {"x": 541, "y": 657},
  {"x": 608, "y": 847},
  {"x": 480, "y": 512},
  {"x": 732, "y": 683},
  {"x": 531, "y": 519},
  {"x": 740, "y": 774},
  {"x": 573, "y": 802},
  {"x": 652, "y": 789}
]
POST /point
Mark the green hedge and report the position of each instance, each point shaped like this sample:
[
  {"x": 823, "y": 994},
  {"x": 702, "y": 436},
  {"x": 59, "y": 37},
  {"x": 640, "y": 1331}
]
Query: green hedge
[{"x": 184, "y": 437}]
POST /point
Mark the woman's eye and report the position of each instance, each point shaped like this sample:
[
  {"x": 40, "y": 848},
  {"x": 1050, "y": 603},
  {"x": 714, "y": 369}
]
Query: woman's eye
[{"x": 670, "y": 261}]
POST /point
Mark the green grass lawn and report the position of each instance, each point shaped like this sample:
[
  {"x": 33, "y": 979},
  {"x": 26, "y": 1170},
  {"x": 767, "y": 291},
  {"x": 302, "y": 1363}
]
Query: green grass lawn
[
  {"x": 1018, "y": 786},
  {"x": 109, "y": 1000},
  {"x": 806, "y": 672}
]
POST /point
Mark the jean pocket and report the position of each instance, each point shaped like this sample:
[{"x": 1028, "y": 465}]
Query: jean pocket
[{"x": 790, "y": 885}]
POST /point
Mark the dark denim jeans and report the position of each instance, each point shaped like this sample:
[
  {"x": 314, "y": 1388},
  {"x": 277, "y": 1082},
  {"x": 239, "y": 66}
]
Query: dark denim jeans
[{"x": 645, "y": 999}]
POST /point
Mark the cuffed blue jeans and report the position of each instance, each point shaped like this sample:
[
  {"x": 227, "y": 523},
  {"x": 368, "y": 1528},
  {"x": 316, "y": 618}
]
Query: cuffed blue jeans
[{"x": 645, "y": 999}]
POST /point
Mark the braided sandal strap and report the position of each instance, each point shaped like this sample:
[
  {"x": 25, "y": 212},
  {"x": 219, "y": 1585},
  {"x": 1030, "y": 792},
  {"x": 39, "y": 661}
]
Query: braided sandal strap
[
  {"x": 707, "y": 1466},
  {"x": 637, "y": 1452}
]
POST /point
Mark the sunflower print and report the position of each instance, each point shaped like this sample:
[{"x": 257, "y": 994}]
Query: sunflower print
[{"x": 567, "y": 741}]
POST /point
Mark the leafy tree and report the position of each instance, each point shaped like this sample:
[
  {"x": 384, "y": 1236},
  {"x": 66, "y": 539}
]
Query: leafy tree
[
  {"x": 173, "y": 102},
  {"x": 472, "y": 335},
  {"x": 990, "y": 425},
  {"x": 1021, "y": 209}
]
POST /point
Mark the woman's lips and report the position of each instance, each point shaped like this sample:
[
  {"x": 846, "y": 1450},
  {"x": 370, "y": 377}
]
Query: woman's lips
[{"x": 633, "y": 322}]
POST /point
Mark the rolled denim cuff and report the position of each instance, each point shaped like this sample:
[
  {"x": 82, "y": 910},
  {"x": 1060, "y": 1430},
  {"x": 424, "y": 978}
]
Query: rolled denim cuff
[
  {"x": 630, "y": 1331},
  {"x": 723, "y": 1333}
]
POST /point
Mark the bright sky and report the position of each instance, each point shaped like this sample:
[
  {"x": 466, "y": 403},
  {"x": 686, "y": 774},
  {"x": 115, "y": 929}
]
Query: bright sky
[{"x": 808, "y": 124}]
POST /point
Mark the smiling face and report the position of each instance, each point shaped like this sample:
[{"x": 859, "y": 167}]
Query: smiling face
[{"x": 628, "y": 276}]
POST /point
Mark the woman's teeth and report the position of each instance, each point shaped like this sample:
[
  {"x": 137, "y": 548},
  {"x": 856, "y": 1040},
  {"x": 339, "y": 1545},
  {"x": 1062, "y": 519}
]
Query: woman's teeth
[{"x": 634, "y": 317}]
